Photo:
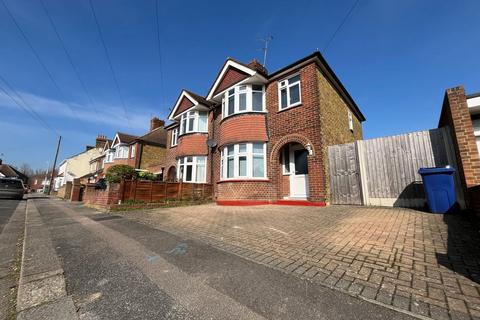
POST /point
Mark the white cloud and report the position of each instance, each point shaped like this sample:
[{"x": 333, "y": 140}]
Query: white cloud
[{"x": 110, "y": 115}]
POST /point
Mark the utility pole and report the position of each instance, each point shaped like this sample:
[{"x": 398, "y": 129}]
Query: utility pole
[{"x": 54, "y": 165}]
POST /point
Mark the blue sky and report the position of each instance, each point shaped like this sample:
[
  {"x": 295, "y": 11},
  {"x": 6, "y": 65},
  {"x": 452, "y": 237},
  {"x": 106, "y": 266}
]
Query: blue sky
[{"x": 395, "y": 58}]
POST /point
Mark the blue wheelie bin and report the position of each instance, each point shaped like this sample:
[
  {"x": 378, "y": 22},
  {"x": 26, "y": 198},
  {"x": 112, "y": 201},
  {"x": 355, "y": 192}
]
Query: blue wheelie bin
[{"x": 439, "y": 189}]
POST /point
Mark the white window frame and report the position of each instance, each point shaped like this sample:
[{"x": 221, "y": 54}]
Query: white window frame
[
  {"x": 237, "y": 90},
  {"x": 133, "y": 149},
  {"x": 183, "y": 162},
  {"x": 350, "y": 120},
  {"x": 174, "y": 141},
  {"x": 285, "y": 84},
  {"x": 236, "y": 163},
  {"x": 109, "y": 156},
  {"x": 184, "y": 122},
  {"x": 121, "y": 152}
]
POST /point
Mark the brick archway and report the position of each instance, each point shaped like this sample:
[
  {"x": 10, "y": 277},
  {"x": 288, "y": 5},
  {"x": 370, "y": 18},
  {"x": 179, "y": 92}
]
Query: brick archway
[
  {"x": 275, "y": 160},
  {"x": 171, "y": 173},
  {"x": 291, "y": 138}
]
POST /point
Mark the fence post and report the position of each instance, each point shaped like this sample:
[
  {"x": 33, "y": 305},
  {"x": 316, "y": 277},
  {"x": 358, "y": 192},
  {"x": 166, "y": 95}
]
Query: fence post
[
  {"x": 135, "y": 190},
  {"x": 360, "y": 148},
  {"x": 151, "y": 190},
  {"x": 121, "y": 192},
  {"x": 179, "y": 191},
  {"x": 166, "y": 187}
]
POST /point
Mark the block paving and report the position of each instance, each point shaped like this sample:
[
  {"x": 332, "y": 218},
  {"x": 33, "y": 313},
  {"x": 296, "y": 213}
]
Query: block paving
[{"x": 422, "y": 263}]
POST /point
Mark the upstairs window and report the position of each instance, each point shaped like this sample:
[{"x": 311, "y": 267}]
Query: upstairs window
[
  {"x": 244, "y": 161},
  {"x": 194, "y": 121},
  {"x": 132, "y": 151},
  {"x": 243, "y": 98},
  {"x": 174, "y": 137},
  {"x": 121, "y": 152},
  {"x": 289, "y": 92},
  {"x": 109, "y": 156},
  {"x": 350, "y": 120}
]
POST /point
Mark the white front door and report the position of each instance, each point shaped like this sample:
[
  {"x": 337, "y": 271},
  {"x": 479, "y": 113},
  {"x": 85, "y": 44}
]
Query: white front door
[{"x": 298, "y": 172}]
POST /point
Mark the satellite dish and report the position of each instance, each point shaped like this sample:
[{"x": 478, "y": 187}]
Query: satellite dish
[{"x": 211, "y": 143}]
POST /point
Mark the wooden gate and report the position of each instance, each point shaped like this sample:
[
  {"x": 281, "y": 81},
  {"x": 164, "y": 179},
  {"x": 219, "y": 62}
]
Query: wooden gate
[
  {"x": 345, "y": 174},
  {"x": 384, "y": 171}
]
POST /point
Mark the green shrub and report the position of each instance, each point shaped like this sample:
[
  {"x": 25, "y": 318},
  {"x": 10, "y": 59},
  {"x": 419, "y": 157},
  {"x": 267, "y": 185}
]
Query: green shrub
[
  {"x": 118, "y": 172},
  {"x": 145, "y": 175}
]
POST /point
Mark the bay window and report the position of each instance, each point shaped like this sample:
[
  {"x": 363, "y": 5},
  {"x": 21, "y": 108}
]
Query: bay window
[
  {"x": 192, "y": 169},
  {"x": 244, "y": 161},
  {"x": 193, "y": 121},
  {"x": 174, "y": 137},
  {"x": 243, "y": 98},
  {"x": 289, "y": 92},
  {"x": 121, "y": 152}
]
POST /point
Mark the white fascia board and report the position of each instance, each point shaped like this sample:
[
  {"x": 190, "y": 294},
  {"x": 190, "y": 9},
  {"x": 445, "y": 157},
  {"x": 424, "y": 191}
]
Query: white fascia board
[
  {"x": 182, "y": 95},
  {"x": 233, "y": 64}
]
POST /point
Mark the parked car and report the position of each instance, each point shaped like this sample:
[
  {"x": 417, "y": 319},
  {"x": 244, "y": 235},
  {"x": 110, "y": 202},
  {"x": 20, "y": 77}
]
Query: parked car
[{"x": 11, "y": 188}]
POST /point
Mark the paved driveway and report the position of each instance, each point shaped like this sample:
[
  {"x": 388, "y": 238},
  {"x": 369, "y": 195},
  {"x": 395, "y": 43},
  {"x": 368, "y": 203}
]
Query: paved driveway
[{"x": 417, "y": 262}]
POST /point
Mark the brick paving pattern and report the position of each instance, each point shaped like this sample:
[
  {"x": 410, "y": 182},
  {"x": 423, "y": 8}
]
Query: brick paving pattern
[{"x": 423, "y": 263}]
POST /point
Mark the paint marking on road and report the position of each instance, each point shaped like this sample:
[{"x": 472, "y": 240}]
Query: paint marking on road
[
  {"x": 179, "y": 249},
  {"x": 277, "y": 230}
]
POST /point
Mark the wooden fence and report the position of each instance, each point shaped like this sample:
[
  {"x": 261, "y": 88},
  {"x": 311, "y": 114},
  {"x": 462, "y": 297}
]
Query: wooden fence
[
  {"x": 384, "y": 171},
  {"x": 160, "y": 191}
]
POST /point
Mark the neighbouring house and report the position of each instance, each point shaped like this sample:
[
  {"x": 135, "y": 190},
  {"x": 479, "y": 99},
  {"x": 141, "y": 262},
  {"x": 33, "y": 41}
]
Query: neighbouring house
[
  {"x": 8, "y": 171},
  {"x": 262, "y": 137},
  {"x": 461, "y": 114},
  {"x": 144, "y": 153},
  {"x": 75, "y": 166},
  {"x": 39, "y": 182},
  {"x": 97, "y": 164}
]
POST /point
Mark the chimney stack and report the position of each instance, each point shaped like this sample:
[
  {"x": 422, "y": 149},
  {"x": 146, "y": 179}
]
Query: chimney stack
[
  {"x": 254, "y": 64},
  {"x": 156, "y": 123},
  {"x": 100, "y": 141}
]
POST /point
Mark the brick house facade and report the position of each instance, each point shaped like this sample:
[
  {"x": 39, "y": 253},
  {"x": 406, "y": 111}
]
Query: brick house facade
[
  {"x": 263, "y": 138},
  {"x": 146, "y": 152},
  {"x": 461, "y": 114}
]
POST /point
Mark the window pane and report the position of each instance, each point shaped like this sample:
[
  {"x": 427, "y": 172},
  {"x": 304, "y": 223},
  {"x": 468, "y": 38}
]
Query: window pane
[
  {"x": 258, "y": 148},
  {"x": 201, "y": 160},
  {"x": 258, "y": 166},
  {"x": 242, "y": 147},
  {"x": 257, "y": 87},
  {"x": 190, "y": 124},
  {"x": 231, "y": 105},
  {"x": 242, "y": 102},
  {"x": 230, "y": 167},
  {"x": 188, "y": 176},
  {"x": 257, "y": 101},
  {"x": 286, "y": 158},
  {"x": 294, "y": 79},
  {"x": 230, "y": 150},
  {"x": 184, "y": 125},
  {"x": 200, "y": 173},
  {"x": 242, "y": 166},
  {"x": 202, "y": 121},
  {"x": 294, "y": 94},
  {"x": 189, "y": 159},
  {"x": 283, "y": 98},
  {"x": 301, "y": 162}
]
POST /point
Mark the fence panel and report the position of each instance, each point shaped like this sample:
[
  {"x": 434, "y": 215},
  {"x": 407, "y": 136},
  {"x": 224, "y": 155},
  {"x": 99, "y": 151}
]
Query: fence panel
[
  {"x": 388, "y": 168},
  {"x": 160, "y": 191}
]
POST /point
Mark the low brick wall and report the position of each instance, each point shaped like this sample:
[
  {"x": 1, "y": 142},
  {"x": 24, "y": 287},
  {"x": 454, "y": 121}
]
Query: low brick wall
[{"x": 102, "y": 198}]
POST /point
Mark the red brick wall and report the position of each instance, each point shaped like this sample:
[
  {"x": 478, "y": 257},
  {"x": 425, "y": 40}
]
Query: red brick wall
[
  {"x": 243, "y": 128},
  {"x": 102, "y": 198},
  {"x": 192, "y": 144},
  {"x": 455, "y": 115},
  {"x": 230, "y": 77},
  {"x": 183, "y": 106}
]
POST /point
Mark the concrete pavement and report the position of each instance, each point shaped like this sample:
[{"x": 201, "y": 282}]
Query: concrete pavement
[{"x": 116, "y": 268}]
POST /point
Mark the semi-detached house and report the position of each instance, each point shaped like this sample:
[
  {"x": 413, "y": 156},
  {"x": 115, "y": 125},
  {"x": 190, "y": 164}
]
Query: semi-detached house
[{"x": 260, "y": 137}]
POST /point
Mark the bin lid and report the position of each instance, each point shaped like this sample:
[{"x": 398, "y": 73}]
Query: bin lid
[{"x": 438, "y": 170}]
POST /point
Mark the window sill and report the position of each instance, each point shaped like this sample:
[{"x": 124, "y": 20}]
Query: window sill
[
  {"x": 245, "y": 180},
  {"x": 290, "y": 107},
  {"x": 191, "y": 133},
  {"x": 241, "y": 114}
]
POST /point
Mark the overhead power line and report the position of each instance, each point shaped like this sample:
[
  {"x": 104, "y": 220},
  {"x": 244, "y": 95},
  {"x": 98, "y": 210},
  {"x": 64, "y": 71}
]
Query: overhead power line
[
  {"x": 160, "y": 63},
  {"x": 102, "y": 40},
  {"x": 26, "y": 107},
  {"x": 69, "y": 57},
  {"x": 40, "y": 61},
  {"x": 340, "y": 25}
]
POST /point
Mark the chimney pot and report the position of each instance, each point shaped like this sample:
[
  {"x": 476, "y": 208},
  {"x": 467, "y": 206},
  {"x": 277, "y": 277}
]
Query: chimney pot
[{"x": 156, "y": 123}]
